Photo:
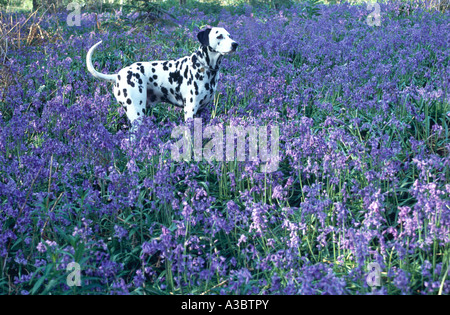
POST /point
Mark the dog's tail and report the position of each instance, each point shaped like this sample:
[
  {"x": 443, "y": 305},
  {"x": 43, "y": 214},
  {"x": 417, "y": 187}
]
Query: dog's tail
[{"x": 95, "y": 73}]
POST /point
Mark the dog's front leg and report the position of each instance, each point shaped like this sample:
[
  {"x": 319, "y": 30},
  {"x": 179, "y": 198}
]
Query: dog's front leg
[{"x": 190, "y": 108}]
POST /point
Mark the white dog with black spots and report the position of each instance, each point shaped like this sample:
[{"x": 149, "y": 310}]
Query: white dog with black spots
[{"x": 189, "y": 82}]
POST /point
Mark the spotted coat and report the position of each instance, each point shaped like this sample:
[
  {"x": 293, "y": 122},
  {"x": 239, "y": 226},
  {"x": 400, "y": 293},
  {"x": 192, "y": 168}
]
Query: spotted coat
[{"x": 188, "y": 82}]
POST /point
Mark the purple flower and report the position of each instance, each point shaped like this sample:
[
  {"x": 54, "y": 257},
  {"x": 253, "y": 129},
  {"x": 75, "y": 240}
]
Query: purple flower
[
  {"x": 41, "y": 247},
  {"x": 120, "y": 232},
  {"x": 242, "y": 239}
]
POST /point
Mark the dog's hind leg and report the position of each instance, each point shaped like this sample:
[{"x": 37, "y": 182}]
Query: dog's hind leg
[{"x": 132, "y": 96}]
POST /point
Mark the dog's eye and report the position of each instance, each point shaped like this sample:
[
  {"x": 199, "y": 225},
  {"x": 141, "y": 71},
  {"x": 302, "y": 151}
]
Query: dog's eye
[{"x": 220, "y": 37}]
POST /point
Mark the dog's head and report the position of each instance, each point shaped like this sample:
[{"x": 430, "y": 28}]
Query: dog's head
[{"x": 218, "y": 40}]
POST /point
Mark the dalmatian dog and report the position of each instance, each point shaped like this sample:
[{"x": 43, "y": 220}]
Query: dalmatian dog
[{"x": 188, "y": 82}]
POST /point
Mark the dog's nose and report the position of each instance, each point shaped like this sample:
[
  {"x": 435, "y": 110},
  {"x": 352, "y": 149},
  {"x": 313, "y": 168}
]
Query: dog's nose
[{"x": 234, "y": 45}]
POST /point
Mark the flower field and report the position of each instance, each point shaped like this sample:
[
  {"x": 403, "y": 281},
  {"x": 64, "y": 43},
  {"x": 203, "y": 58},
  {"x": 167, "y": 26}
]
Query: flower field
[{"x": 363, "y": 173}]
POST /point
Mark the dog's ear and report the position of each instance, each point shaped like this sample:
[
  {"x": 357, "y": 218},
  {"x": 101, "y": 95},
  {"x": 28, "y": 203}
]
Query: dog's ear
[{"x": 203, "y": 37}]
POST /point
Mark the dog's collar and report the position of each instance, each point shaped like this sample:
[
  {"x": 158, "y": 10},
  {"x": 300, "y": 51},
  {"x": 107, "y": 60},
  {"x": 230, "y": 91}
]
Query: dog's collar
[
  {"x": 200, "y": 54},
  {"x": 209, "y": 69}
]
